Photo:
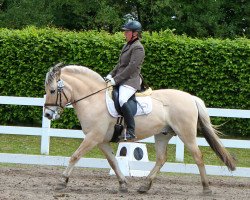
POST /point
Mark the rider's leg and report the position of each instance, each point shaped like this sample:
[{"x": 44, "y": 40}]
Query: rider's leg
[
  {"x": 129, "y": 120},
  {"x": 125, "y": 92}
]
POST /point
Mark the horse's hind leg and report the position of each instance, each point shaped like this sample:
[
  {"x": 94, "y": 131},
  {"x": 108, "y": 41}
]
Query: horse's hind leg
[
  {"x": 108, "y": 152},
  {"x": 198, "y": 158},
  {"x": 189, "y": 139},
  {"x": 161, "y": 142}
]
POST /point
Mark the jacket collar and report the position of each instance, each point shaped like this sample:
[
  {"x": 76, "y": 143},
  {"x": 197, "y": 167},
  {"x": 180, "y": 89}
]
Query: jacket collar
[
  {"x": 127, "y": 46},
  {"x": 131, "y": 42}
]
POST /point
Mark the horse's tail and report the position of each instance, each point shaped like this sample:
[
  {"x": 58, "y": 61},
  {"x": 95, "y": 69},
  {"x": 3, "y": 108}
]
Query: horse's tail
[{"x": 210, "y": 134}]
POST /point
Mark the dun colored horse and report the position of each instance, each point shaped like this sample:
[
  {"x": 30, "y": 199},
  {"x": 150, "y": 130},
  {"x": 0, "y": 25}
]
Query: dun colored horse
[{"x": 174, "y": 113}]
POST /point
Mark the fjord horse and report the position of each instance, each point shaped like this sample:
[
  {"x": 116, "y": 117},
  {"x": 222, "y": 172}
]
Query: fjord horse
[{"x": 174, "y": 113}]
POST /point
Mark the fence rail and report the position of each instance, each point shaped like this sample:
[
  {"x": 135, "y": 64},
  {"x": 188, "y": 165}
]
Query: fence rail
[{"x": 46, "y": 132}]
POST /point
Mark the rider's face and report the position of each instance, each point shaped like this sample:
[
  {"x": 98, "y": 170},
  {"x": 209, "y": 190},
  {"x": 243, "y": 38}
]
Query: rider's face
[{"x": 128, "y": 35}]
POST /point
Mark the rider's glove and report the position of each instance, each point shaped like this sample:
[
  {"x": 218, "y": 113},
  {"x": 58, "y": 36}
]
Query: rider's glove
[{"x": 110, "y": 79}]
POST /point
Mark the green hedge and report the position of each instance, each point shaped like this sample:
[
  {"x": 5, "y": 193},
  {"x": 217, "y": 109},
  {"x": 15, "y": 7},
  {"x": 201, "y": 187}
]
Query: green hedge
[{"x": 215, "y": 70}]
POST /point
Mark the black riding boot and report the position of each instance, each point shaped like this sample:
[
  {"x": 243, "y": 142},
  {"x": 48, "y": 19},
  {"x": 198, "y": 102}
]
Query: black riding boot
[{"x": 129, "y": 120}]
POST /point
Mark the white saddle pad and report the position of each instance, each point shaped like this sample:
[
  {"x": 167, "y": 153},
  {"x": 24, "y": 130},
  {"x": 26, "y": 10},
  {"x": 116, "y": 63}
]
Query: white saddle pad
[{"x": 144, "y": 105}]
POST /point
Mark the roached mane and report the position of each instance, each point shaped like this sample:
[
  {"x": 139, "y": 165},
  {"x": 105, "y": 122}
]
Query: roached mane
[
  {"x": 77, "y": 69},
  {"x": 55, "y": 72}
]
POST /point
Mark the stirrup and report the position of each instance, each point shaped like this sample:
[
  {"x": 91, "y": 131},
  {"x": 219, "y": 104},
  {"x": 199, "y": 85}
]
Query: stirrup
[{"x": 129, "y": 136}]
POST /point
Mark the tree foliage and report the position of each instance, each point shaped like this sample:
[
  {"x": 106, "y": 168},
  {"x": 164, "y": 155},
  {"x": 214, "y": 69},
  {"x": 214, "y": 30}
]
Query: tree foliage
[{"x": 210, "y": 18}]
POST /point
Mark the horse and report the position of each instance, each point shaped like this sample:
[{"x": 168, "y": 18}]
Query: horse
[{"x": 174, "y": 112}]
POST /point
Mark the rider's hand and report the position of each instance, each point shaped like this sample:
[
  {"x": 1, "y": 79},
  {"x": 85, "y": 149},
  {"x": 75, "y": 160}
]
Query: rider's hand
[{"x": 110, "y": 79}]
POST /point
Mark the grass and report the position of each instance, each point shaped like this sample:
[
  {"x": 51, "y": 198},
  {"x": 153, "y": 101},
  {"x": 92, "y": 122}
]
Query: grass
[{"x": 66, "y": 147}]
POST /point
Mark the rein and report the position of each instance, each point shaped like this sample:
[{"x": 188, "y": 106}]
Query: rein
[
  {"x": 70, "y": 103},
  {"x": 60, "y": 98},
  {"x": 60, "y": 91}
]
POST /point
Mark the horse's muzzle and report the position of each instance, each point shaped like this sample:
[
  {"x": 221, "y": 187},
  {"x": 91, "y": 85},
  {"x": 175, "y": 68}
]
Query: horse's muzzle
[{"x": 49, "y": 116}]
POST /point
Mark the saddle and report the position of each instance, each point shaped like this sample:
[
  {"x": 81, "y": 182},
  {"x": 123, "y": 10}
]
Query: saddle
[{"x": 133, "y": 103}]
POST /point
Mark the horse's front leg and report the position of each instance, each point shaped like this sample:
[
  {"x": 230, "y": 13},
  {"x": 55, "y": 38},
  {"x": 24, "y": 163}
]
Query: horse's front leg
[
  {"x": 87, "y": 144},
  {"x": 108, "y": 152}
]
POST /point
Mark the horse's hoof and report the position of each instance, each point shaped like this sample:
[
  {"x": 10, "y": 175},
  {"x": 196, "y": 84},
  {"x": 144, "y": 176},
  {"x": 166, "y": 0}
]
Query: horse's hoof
[
  {"x": 61, "y": 186},
  {"x": 123, "y": 190},
  {"x": 143, "y": 189},
  {"x": 207, "y": 191},
  {"x": 123, "y": 187}
]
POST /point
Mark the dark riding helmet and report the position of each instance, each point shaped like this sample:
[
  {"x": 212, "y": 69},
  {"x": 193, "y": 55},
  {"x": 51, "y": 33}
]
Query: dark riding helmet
[{"x": 132, "y": 25}]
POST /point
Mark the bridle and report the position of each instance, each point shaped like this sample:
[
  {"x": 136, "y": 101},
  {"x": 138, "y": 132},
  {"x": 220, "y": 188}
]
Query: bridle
[{"x": 60, "y": 91}]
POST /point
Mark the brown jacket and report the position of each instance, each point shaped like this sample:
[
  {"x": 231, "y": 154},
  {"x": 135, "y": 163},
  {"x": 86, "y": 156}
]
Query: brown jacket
[{"x": 127, "y": 71}]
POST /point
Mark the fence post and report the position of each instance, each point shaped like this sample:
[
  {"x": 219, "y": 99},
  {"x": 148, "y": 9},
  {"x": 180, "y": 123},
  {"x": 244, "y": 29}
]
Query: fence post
[
  {"x": 45, "y": 138},
  {"x": 179, "y": 152}
]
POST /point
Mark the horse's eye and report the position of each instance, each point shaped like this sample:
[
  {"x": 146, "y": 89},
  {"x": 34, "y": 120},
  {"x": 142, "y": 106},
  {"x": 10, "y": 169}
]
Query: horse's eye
[{"x": 52, "y": 91}]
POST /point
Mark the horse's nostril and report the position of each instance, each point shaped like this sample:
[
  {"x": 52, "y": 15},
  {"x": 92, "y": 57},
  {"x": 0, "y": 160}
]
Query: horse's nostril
[{"x": 47, "y": 115}]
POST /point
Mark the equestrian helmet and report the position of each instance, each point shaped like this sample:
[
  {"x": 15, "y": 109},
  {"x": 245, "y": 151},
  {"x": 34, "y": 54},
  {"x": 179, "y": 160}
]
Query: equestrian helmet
[{"x": 132, "y": 25}]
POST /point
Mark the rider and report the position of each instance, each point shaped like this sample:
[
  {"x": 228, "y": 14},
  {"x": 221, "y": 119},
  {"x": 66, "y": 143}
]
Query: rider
[{"x": 126, "y": 74}]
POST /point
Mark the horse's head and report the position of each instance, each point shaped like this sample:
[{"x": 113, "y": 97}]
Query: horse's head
[{"x": 56, "y": 98}]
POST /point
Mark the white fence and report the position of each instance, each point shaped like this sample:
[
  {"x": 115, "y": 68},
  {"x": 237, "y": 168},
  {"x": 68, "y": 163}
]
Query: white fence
[{"x": 46, "y": 132}]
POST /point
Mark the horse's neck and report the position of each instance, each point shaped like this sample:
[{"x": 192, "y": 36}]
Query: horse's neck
[
  {"x": 81, "y": 89},
  {"x": 83, "y": 86}
]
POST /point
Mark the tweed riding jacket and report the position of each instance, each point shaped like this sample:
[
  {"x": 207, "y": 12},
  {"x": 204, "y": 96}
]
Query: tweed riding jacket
[{"x": 127, "y": 71}]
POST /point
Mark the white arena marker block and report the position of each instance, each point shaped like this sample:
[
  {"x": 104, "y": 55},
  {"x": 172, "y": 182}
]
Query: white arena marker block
[
  {"x": 124, "y": 166},
  {"x": 128, "y": 152}
]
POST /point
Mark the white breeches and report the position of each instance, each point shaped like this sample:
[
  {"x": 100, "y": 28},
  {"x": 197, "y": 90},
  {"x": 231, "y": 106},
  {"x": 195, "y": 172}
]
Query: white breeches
[{"x": 125, "y": 92}]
